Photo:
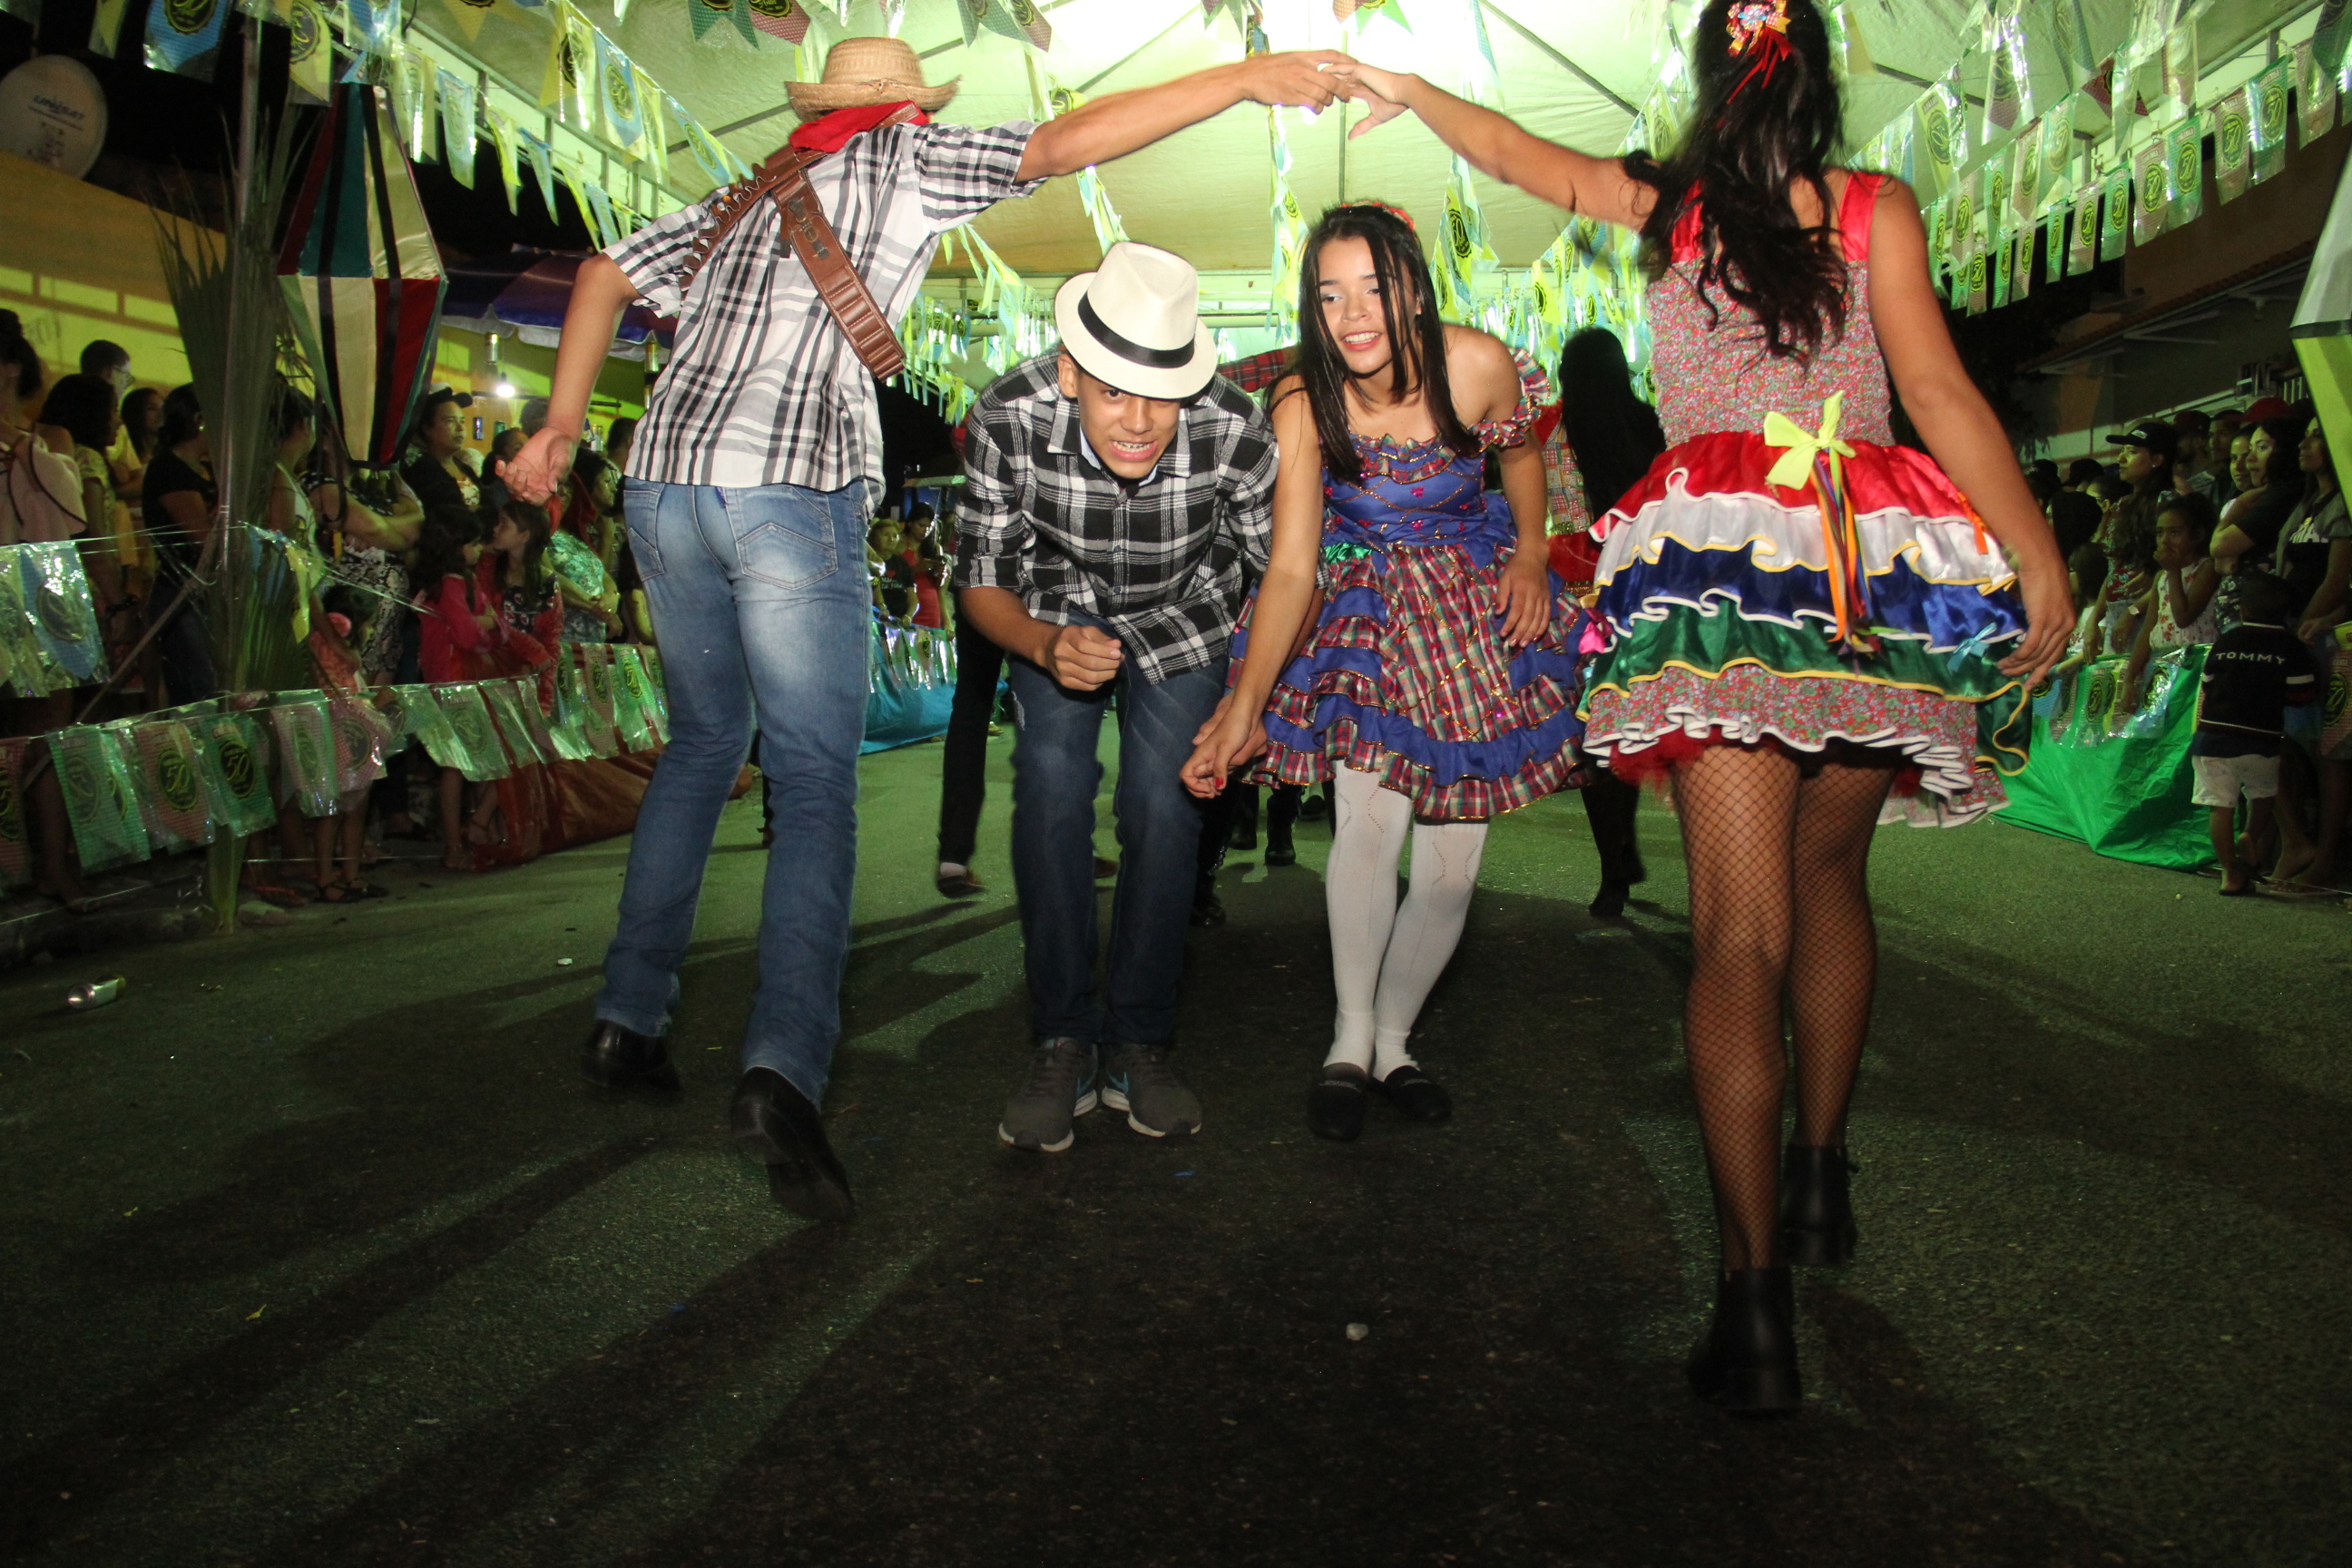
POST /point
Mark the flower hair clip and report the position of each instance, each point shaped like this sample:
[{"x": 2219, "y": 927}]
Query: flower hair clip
[
  {"x": 1752, "y": 18},
  {"x": 1761, "y": 26}
]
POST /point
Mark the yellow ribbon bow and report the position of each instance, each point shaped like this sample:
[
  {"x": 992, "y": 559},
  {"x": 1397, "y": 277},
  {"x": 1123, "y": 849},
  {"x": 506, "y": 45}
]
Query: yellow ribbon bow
[{"x": 1794, "y": 471}]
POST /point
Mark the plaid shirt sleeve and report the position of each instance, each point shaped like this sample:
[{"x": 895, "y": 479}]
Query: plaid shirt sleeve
[
  {"x": 964, "y": 169},
  {"x": 652, "y": 258},
  {"x": 1249, "y": 505},
  {"x": 992, "y": 528}
]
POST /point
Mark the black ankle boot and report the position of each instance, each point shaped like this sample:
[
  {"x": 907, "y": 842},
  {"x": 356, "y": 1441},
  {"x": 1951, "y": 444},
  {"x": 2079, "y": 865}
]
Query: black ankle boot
[
  {"x": 1816, "y": 1213},
  {"x": 1747, "y": 1361}
]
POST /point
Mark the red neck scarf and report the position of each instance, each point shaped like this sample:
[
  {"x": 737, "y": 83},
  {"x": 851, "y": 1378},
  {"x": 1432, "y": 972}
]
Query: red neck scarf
[{"x": 830, "y": 132}]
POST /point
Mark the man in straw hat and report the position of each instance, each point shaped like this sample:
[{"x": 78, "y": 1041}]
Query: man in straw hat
[
  {"x": 749, "y": 483},
  {"x": 1118, "y": 495}
]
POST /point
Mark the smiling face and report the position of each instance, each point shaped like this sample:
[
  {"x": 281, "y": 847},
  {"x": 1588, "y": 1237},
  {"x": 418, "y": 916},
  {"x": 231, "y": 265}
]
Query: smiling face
[
  {"x": 1347, "y": 288},
  {"x": 1127, "y": 432},
  {"x": 2259, "y": 451}
]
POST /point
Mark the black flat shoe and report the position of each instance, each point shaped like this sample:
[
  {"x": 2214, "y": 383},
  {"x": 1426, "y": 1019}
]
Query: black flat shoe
[
  {"x": 1816, "y": 1213},
  {"x": 959, "y": 887},
  {"x": 615, "y": 1057},
  {"x": 1415, "y": 1095},
  {"x": 1747, "y": 1361},
  {"x": 1335, "y": 1105},
  {"x": 1280, "y": 852},
  {"x": 775, "y": 1124},
  {"x": 1208, "y": 910},
  {"x": 1610, "y": 902}
]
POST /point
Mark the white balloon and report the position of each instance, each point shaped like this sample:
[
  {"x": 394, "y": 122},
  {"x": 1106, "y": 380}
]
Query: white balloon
[{"x": 53, "y": 111}]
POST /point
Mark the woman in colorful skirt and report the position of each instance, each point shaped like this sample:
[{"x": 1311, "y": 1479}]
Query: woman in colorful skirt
[
  {"x": 1409, "y": 641},
  {"x": 1805, "y": 619}
]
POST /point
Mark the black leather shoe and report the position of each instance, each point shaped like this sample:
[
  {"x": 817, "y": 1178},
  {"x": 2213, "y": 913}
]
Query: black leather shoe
[
  {"x": 1279, "y": 850},
  {"x": 1611, "y": 901},
  {"x": 777, "y": 1126},
  {"x": 1335, "y": 1105},
  {"x": 1208, "y": 910},
  {"x": 1747, "y": 1361},
  {"x": 1817, "y": 1225},
  {"x": 615, "y": 1057},
  {"x": 1415, "y": 1095}
]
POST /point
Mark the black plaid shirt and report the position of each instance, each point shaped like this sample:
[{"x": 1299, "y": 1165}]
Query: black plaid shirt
[
  {"x": 1162, "y": 561},
  {"x": 764, "y": 387}
]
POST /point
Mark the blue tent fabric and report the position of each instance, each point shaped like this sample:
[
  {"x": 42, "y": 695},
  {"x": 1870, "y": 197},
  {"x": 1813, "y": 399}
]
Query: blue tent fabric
[{"x": 913, "y": 686}]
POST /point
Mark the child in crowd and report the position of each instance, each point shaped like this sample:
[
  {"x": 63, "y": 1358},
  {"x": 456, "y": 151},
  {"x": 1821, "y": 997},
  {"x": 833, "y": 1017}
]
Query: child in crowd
[
  {"x": 2128, "y": 537},
  {"x": 338, "y": 675},
  {"x": 2256, "y": 670},
  {"x": 456, "y": 629},
  {"x": 2181, "y": 610}
]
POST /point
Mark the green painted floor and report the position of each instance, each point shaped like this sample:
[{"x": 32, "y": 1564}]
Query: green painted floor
[{"x": 316, "y": 1251}]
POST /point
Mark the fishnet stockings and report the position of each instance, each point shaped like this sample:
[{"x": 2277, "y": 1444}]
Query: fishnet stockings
[{"x": 1780, "y": 907}]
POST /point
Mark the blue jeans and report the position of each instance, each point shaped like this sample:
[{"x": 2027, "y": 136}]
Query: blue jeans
[
  {"x": 1054, "y": 779},
  {"x": 760, "y": 597}
]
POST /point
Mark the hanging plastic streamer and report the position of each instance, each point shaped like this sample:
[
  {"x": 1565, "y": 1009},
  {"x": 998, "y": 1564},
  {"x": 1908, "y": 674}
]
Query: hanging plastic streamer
[
  {"x": 1940, "y": 136},
  {"x": 2025, "y": 173},
  {"x": 16, "y": 861},
  {"x": 629, "y": 686},
  {"x": 625, "y": 115},
  {"x": 650, "y": 692},
  {"x": 185, "y": 35},
  {"x": 21, "y": 665},
  {"x": 2152, "y": 187},
  {"x": 658, "y": 684},
  {"x": 105, "y": 26},
  {"x": 1016, "y": 19},
  {"x": 536, "y": 154},
  {"x": 1108, "y": 230},
  {"x": 580, "y": 716},
  {"x": 534, "y": 720},
  {"x": 414, "y": 89},
  {"x": 2181, "y": 73},
  {"x": 458, "y": 97},
  {"x": 569, "y": 85},
  {"x": 2231, "y": 150},
  {"x": 568, "y": 731},
  {"x": 421, "y": 720},
  {"x": 1289, "y": 233},
  {"x": 1481, "y": 78},
  {"x": 1467, "y": 256},
  {"x": 306, "y": 752},
  {"x": 234, "y": 761},
  {"x": 2267, "y": 107},
  {"x": 500, "y": 696},
  {"x": 2077, "y": 55},
  {"x": 2057, "y": 182},
  {"x": 656, "y": 133},
  {"x": 56, "y": 594},
  {"x": 628, "y": 713},
  {"x": 2115, "y": 224},
  {"x": 310, "y": 61},
  {"x": 706, "y": 14},
  {"x": 502, "y": 138},
  {"x": 2314, "y": 95},
  {"x": 2083, "y": 240},
  {"x": 101, "y": 798},
  {"x": 708, "y": 153},
  {"x": 597, "y": 671},
  {"x": 2009, "y": 82},
  {"x": 364, "y": 737},
  {"x": 778, "y": 19},
  {"x": 473, "y": 737},
  {"x": 2185, "y": 148},
  {"x": 171, "y": 784}
]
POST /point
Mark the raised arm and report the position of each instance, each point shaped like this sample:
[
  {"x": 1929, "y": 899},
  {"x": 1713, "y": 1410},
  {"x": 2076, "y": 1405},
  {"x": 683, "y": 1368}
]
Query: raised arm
[
  {"x": 1497, "y": 148},
  {"x": 1959, "y": 426},
  {"x": 1119, "y": 123}
]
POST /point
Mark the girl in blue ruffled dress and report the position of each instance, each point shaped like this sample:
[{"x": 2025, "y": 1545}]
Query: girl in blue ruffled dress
[{"x": 1410, "y": 641}]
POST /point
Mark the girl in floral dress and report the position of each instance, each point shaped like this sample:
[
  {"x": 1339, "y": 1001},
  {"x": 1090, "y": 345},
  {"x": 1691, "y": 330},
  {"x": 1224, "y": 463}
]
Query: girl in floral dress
[
  {"x": 1804, "y": 617},
  {"x": 1434, "y": 682}
]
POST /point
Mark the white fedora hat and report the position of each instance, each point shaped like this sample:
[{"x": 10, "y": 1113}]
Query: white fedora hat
[{"x": 1135, "y": 322}]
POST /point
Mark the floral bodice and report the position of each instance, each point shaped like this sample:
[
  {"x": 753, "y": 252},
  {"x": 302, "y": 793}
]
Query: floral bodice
[{"x": 1424, "y": 492}]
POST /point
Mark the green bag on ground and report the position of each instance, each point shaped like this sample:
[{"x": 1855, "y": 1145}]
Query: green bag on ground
[
  {"x": 596, "y": 683},
  {"x": 568, "y": 732},
  {"x": 2126, "y": 796},
  {"x": 102, "y": 797}
]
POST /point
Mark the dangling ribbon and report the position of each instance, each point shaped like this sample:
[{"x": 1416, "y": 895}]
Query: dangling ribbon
[
  {"x": 1763, "y": 26},
  {"x": 1816, "y": 460}
]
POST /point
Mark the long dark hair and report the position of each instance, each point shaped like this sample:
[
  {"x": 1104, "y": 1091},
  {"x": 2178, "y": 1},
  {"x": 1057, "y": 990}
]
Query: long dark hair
[
  {"x": 535, "y": 522},
  {"x": 82, "y": 406},
  {"x": 135, "y": 404},
  {"x": 1615, "y": 435},
  {"x": 1416, "y": 343},
  {"x": 184, "y": 417},
  {"x": 441, "y": 545},
  {"x": 17, "y": 352},
  {"x": 2282, "y": 467},
  {"x": 1754, "y": 135}
]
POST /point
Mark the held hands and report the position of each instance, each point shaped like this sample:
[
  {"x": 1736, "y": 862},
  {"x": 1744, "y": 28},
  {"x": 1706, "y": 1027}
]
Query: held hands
[
  {"x": 1298, "y": 77},
  {"x": 1525, "y": 589},
  {"x": 541, "y": 465},
  {"x": 1082, "y": 658},
  {"x": 1222, "y": 745},
  {"x": 1381, "y": 92}
]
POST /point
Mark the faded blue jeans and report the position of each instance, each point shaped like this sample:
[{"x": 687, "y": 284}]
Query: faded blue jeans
[
  {"x": 761, "y": 603},
  {"x": 1055, "y": 777}
]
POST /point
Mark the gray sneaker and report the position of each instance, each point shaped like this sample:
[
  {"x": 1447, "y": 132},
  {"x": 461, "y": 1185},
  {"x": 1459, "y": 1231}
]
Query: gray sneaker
[
  {"x": 1139, "y": 1081},
  {"x": 1060, "y": 1090}
]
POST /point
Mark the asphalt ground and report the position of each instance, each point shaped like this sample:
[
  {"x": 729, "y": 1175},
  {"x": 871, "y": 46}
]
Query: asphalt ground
[{"x": 317, "y": 1251}]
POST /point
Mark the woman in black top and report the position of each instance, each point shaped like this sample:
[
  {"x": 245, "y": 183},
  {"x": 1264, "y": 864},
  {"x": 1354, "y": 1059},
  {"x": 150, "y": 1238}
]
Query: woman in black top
[
  {"x": 177, "y": 498},
  {"x": 2250, "y": 529},
  {"x": 1615, "y": 437},
  {"x": 438, "y": 469}
]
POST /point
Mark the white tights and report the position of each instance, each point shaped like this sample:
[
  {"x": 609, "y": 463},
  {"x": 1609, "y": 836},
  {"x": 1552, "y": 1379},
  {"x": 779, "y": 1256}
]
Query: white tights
[{"x": 1384, "y": 958}]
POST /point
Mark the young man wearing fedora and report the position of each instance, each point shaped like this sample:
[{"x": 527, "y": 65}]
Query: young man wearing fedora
[
  {"x": 749, "y": 483},
  {"x": 1118, "y": 497}
]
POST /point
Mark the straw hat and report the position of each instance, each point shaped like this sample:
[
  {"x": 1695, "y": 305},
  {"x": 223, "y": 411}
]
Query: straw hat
[
  {"x": 1135, "y": 322},
  {"x": 861, "y": 71}
]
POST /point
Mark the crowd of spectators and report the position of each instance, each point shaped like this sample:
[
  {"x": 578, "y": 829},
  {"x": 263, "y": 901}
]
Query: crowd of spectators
[
  {"x": 428, "y": 572},
  {"x": 2205, "y": 523}
]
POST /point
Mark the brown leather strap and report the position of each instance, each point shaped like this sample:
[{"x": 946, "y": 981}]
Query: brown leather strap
[{"x": 810, "y": 234}]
